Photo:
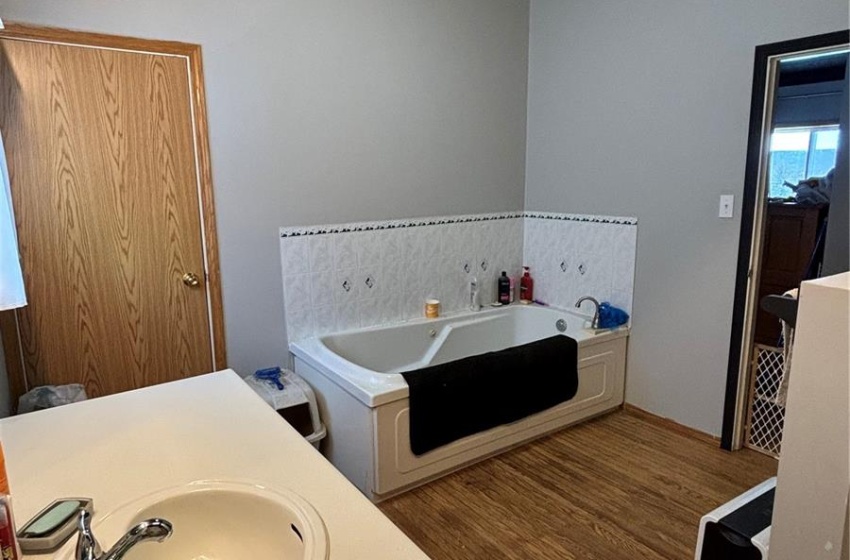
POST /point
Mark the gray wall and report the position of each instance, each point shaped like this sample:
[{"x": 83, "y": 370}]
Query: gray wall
[
  {"x": 642, "y": 108},
  {"x": 326, "y": 111}
]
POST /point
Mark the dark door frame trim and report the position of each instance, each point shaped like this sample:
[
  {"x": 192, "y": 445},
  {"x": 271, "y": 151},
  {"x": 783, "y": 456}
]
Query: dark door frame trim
[{"x": 763, "y": 53}]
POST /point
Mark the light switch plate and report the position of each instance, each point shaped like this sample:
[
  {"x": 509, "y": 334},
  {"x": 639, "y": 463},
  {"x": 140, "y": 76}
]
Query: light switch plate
[{"x": 727, "y": 206}]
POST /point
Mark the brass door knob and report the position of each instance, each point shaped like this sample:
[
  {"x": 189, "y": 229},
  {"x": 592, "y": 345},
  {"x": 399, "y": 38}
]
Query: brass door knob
[{"x": 191, "y": 279}]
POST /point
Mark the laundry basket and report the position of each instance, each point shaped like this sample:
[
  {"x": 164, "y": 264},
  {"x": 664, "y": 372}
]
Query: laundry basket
[{"x": 294, "y": 400}]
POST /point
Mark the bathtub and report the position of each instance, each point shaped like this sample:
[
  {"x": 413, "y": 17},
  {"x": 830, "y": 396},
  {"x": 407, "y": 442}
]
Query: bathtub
[{"x": 363, "y": 398}]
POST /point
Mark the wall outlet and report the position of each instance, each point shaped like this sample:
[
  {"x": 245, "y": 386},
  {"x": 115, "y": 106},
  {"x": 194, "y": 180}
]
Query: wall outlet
[{"x": 727, "y": 206}]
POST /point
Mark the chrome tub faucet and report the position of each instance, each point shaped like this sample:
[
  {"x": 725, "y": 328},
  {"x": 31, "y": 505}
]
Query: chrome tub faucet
[
  {"x": 89, "y": 549},
  {"x": 594, "y": 323}
]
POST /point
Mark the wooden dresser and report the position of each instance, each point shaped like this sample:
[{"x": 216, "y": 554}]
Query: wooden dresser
[{"x": 790, "y": 235}]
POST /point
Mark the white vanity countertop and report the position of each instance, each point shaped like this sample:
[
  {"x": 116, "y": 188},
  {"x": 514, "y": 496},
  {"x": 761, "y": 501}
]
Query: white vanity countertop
[{"x": 115, "y": 449}]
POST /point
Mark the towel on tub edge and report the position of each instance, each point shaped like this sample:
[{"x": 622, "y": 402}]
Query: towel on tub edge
[{"x": 460, "y": 398}]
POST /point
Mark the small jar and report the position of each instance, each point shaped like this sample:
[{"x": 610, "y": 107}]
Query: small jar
[{"x": 432, "y": 308}]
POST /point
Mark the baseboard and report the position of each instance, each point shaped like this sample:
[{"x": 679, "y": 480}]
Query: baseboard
[{"x": 671, "y": 424}]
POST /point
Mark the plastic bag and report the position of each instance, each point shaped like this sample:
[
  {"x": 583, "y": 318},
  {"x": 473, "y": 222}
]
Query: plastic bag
[{"x": 48, "y": 396}]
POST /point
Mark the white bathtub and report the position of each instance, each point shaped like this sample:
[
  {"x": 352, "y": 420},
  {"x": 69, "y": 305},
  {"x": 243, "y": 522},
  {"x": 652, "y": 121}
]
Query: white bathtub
[{"x": 363, "y": 397}]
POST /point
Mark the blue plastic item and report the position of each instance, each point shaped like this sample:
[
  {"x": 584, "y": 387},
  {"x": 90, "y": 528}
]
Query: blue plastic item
[
  {"x": 610, "y": 316},
  {"x": 272, "y": 375}
]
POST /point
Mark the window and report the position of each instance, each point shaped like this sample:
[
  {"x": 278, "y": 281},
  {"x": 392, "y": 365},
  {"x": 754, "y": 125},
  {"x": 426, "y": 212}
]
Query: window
[{"x": 800, "y": 153}]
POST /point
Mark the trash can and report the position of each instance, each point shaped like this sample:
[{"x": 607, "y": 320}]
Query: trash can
[
  {"x": 739, "y": 529},
  {"x": 292, "y": 398}
]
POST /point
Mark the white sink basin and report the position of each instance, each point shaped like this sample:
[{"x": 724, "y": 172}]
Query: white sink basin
[{"x": 219, "y": 520}]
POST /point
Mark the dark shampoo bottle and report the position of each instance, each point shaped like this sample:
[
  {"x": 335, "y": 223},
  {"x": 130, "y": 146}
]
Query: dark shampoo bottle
[{"x": 504, "y": 288}]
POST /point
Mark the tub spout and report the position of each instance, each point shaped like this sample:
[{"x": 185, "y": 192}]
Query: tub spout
[
  {"x": 594, "y": 323},
  {"x": 474, "y": 296}
]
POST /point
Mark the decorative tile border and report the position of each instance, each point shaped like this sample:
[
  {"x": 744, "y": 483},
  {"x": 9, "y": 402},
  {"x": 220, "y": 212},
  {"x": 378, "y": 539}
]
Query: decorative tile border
[
  {"x": 619, "y": 220},
  {"x": 300, "y": 231}
]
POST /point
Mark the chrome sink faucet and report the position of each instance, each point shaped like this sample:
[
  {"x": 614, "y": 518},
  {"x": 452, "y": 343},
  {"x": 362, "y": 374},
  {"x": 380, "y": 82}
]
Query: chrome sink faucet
[
  {"x": 474, "y": 295},
  {"x": 594, "y": 323},
  {"x": 89, "y": 549}
]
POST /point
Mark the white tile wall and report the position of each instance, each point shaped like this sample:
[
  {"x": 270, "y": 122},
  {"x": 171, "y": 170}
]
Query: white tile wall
[
  {"x": 571, "y": 258},
  {"x": 344, "y": 279},
  {"x": 348, "y": 276}
]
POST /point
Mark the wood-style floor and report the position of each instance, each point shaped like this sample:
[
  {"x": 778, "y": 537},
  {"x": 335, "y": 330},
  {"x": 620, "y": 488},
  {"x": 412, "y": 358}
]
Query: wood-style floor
[{"x": 618, "y": 487}]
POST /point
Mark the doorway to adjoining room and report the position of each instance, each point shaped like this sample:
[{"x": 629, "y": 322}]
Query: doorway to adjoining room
[{"x": 798, "y": 131}]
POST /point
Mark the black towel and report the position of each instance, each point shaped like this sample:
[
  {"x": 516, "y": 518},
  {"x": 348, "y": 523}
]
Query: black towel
[{"x": 460, "y": 398}]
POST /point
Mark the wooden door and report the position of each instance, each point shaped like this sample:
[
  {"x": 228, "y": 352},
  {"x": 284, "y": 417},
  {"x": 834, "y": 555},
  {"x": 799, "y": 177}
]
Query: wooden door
[{"x": 104, "y": 166}]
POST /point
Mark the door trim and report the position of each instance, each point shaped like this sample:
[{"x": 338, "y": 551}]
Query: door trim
[
  {"x": 733, "y": 413},
  {"x": 192, "y": 53}
]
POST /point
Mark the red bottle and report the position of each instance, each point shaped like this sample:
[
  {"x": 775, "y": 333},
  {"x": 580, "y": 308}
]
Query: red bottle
[{"x": 526, "y": 285}]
